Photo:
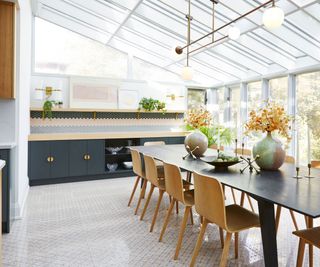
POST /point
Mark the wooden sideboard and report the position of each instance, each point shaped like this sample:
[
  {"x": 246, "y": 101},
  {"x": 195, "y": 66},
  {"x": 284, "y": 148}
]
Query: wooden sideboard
[{"x": 7, "y": 49}]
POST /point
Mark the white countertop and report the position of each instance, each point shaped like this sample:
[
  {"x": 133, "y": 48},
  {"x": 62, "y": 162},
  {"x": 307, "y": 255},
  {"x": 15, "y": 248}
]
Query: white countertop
[
  {"x": 7, "y": 145},
  {"x": 2, "y": 164}
]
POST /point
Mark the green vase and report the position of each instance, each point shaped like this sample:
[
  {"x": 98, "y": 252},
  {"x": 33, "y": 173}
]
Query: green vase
[{"x": 271, "y": 152}]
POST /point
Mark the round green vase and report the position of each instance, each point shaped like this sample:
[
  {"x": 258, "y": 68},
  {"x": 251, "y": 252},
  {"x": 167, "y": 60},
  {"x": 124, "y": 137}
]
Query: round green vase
[{"x": 271, "y": 153}]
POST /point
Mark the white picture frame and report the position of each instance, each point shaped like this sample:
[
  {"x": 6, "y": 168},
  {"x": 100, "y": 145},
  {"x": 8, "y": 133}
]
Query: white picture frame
[
  {"x": 89, "y": 93},
  {"x": 128, "y": 99}
]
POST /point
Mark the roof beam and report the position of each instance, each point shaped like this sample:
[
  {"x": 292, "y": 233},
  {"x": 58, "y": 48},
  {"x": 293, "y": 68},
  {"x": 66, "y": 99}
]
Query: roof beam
[{"x": 124, "y": 21}]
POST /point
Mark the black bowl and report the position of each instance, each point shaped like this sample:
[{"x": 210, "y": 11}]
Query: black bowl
[{"x": 212, "y": 160}]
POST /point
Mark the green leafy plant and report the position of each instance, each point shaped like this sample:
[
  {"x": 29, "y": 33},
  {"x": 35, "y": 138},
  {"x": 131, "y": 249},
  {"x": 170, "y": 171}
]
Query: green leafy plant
[
  {"x": 47, "y": 108},
  {"x": 150, "y": 104},
  {"x": 213, "y": 133}
]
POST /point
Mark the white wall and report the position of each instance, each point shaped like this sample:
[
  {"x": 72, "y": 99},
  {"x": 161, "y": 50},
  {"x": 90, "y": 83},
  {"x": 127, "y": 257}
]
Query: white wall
[
  {"x": 154, "y": 89},
  {"x": 23, "y": 74}
]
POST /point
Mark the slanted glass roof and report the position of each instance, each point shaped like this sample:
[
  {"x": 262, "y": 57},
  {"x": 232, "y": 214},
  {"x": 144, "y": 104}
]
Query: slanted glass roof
[{"x": 151, "y": 29}]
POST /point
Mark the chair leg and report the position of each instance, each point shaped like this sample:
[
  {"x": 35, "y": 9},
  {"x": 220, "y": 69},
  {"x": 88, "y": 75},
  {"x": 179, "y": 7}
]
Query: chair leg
[
  {"x": 144, "y": 185},
  {"x": 300, "y": 256},
  {"x": 201, "y": 219},
  {"x": 182, "y": 230},
  {"x": 233, "y": 196},
  {"x": 221, "y": 237},
  {"x": 147, "y": 202},
  {"x": 199, "y": 243},
  {"x": 156, "y": 211},
  {"x": 278, "y": 213},
  {"x": 236, "y": 245},
  {"x": 191, "y": 216},
  {"x": 310, "y": 225},
  {"x": 166, "y": 220},
  {"x": 134, "y": 190},
  {"x": 225, "y": 252},
  {"x": 293, "y": 217},
  {"x": 250, "y": 202},
  {"x": 177, "y": 207}
]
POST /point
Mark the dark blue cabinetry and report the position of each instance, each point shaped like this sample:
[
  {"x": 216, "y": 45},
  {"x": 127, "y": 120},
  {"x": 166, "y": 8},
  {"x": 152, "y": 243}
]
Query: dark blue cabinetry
[
  {"x": 6, "y": 188},
  {"x": 80, "y": 160}
]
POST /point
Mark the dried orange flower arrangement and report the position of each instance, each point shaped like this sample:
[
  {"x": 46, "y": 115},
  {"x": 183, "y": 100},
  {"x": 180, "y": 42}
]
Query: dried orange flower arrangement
[
  {"x": 197, "y": 118},
  {"x": 270, "y": 118}
]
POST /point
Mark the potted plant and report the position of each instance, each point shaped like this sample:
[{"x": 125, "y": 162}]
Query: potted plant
[
  {"x": 150, "y": 104},
  {"x": 269, "y": 119},
  {"x": 47, "y": 109}
]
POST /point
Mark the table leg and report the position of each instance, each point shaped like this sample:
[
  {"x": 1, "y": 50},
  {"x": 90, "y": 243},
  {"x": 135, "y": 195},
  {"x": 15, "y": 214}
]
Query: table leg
[
  {"x": 310, "y": 225},
  {"x": 268, "y": 233}
]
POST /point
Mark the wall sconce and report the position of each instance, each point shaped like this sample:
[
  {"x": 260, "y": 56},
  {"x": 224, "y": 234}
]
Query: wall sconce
[
  {"x": 48, "y": 91},
  {"x": 174, "y": 97}
]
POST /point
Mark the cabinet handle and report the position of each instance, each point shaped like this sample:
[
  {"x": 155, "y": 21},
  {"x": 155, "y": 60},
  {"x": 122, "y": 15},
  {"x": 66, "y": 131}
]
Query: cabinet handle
[
  {"x": 48, "y": 159},
  {"x": 88, "y": 157},
  {"x": 52, "y": 159},
  {"x": 85, "y": 157}
]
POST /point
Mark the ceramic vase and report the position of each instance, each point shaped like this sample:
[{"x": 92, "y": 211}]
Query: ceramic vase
[{"x": 271, "y": 152}]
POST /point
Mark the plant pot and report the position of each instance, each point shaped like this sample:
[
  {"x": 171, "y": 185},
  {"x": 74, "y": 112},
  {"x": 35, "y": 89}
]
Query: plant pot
[{"x": 271, "y": 152}]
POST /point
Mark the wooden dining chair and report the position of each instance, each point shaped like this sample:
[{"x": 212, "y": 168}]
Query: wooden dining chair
[
  {"x": 315, "y": 164},
  {"x": 156, "y": 178},
  {"x": 288, "y": 159},
  {"x": 179, "y": 193},
  {"x": 309, "y": 236},
  {"x": 210, "y": 203},
  {"x": 155, "y": 143},
  {"x": 138, "y": 170}
]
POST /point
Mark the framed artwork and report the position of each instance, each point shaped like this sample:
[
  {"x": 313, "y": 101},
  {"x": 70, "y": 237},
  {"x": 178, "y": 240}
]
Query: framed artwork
[
  {"x": 93, "y": 93},
  {"x": 128, "y": 99}
]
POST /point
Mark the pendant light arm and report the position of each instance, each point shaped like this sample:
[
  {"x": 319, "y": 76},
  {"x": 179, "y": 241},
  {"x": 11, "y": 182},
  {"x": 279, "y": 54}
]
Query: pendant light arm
[{"x": 179, "y": 49}]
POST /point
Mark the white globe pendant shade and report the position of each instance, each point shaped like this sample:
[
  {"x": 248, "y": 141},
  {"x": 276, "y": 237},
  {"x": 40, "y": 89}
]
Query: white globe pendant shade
[
  {"x": 273, "y": 17},
  {"x": 233, "y": 33},
  {"x": 187, "y": 73}
]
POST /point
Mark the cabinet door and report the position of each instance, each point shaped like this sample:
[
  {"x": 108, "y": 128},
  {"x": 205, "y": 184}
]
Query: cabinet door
[
  {"x": 96, "y": 151},
  {"x": 6, "y": 185},
  {"x": 77, "y": 163},
  {"x": 60, "y": 159},
  {"x": 39, "y": 165},
  {"x": 7, "y": 17}
]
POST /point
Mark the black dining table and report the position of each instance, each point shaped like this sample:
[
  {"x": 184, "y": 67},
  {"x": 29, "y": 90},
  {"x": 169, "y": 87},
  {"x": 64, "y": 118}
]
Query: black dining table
[{"x": 268, "y": 188}]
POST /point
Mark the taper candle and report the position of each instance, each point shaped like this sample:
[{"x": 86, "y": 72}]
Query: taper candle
[
  {"x": 309, "y": 146},
  {"x": 297, "y": 152}
]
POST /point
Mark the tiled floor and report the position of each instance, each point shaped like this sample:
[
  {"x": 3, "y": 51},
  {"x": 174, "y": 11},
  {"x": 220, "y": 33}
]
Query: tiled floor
[{"x": 89, "y": 224}]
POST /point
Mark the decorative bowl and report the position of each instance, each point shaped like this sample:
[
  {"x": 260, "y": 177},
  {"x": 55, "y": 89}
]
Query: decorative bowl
[
  {"x": 112, "y": 166},
  {"x": 114, "y": 150},
  {"x": 219, "y": 163}
]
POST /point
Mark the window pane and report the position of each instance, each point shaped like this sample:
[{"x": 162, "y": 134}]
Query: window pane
[
  {"x": 254, "y": 103},
  {"x": 254, "y": 96},
  {"x": 196, "y": 98},
  {"x": 308, "y": 100},
  {"x": 60, "y": 51},
  {"x": 221, "y": 104},
  {"x": 143, "y": 70},
  {"x": 279, "y": 91},
  {"x": 235, "y": 109}
]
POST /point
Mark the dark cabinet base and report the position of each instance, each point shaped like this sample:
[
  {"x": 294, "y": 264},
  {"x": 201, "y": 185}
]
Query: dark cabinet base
[{"x": 81, "y": 178}]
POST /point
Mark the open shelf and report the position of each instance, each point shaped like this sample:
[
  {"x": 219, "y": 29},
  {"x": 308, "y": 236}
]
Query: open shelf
[{"x": 106, "y": 110}]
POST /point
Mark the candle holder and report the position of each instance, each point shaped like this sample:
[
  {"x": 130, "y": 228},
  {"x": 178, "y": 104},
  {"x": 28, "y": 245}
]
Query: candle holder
[
  {"x": 250, "y": 165},
  {"x": 236, "y": 142},
  {"x": 190, "y": 152},
  {"x": 297, "y": 176},
  {"x": 309, "y": 172}
]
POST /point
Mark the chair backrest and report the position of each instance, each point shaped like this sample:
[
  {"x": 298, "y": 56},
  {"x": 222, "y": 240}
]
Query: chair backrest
[
  {"x": 246, "y": 152},
  {"x": 209, "y": 199},
  {"x": 154, "y": 143},
  {"x": 289, "y": 159},
  {"x": 174, "y": 184},
  {"x": 315, "y": 164},
  {"x": 151, "y": 170},
  {"x": 136, "y": 162}
]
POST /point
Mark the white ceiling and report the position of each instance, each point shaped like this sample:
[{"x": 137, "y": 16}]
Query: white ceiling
[{"x": 150, "y": 29}]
